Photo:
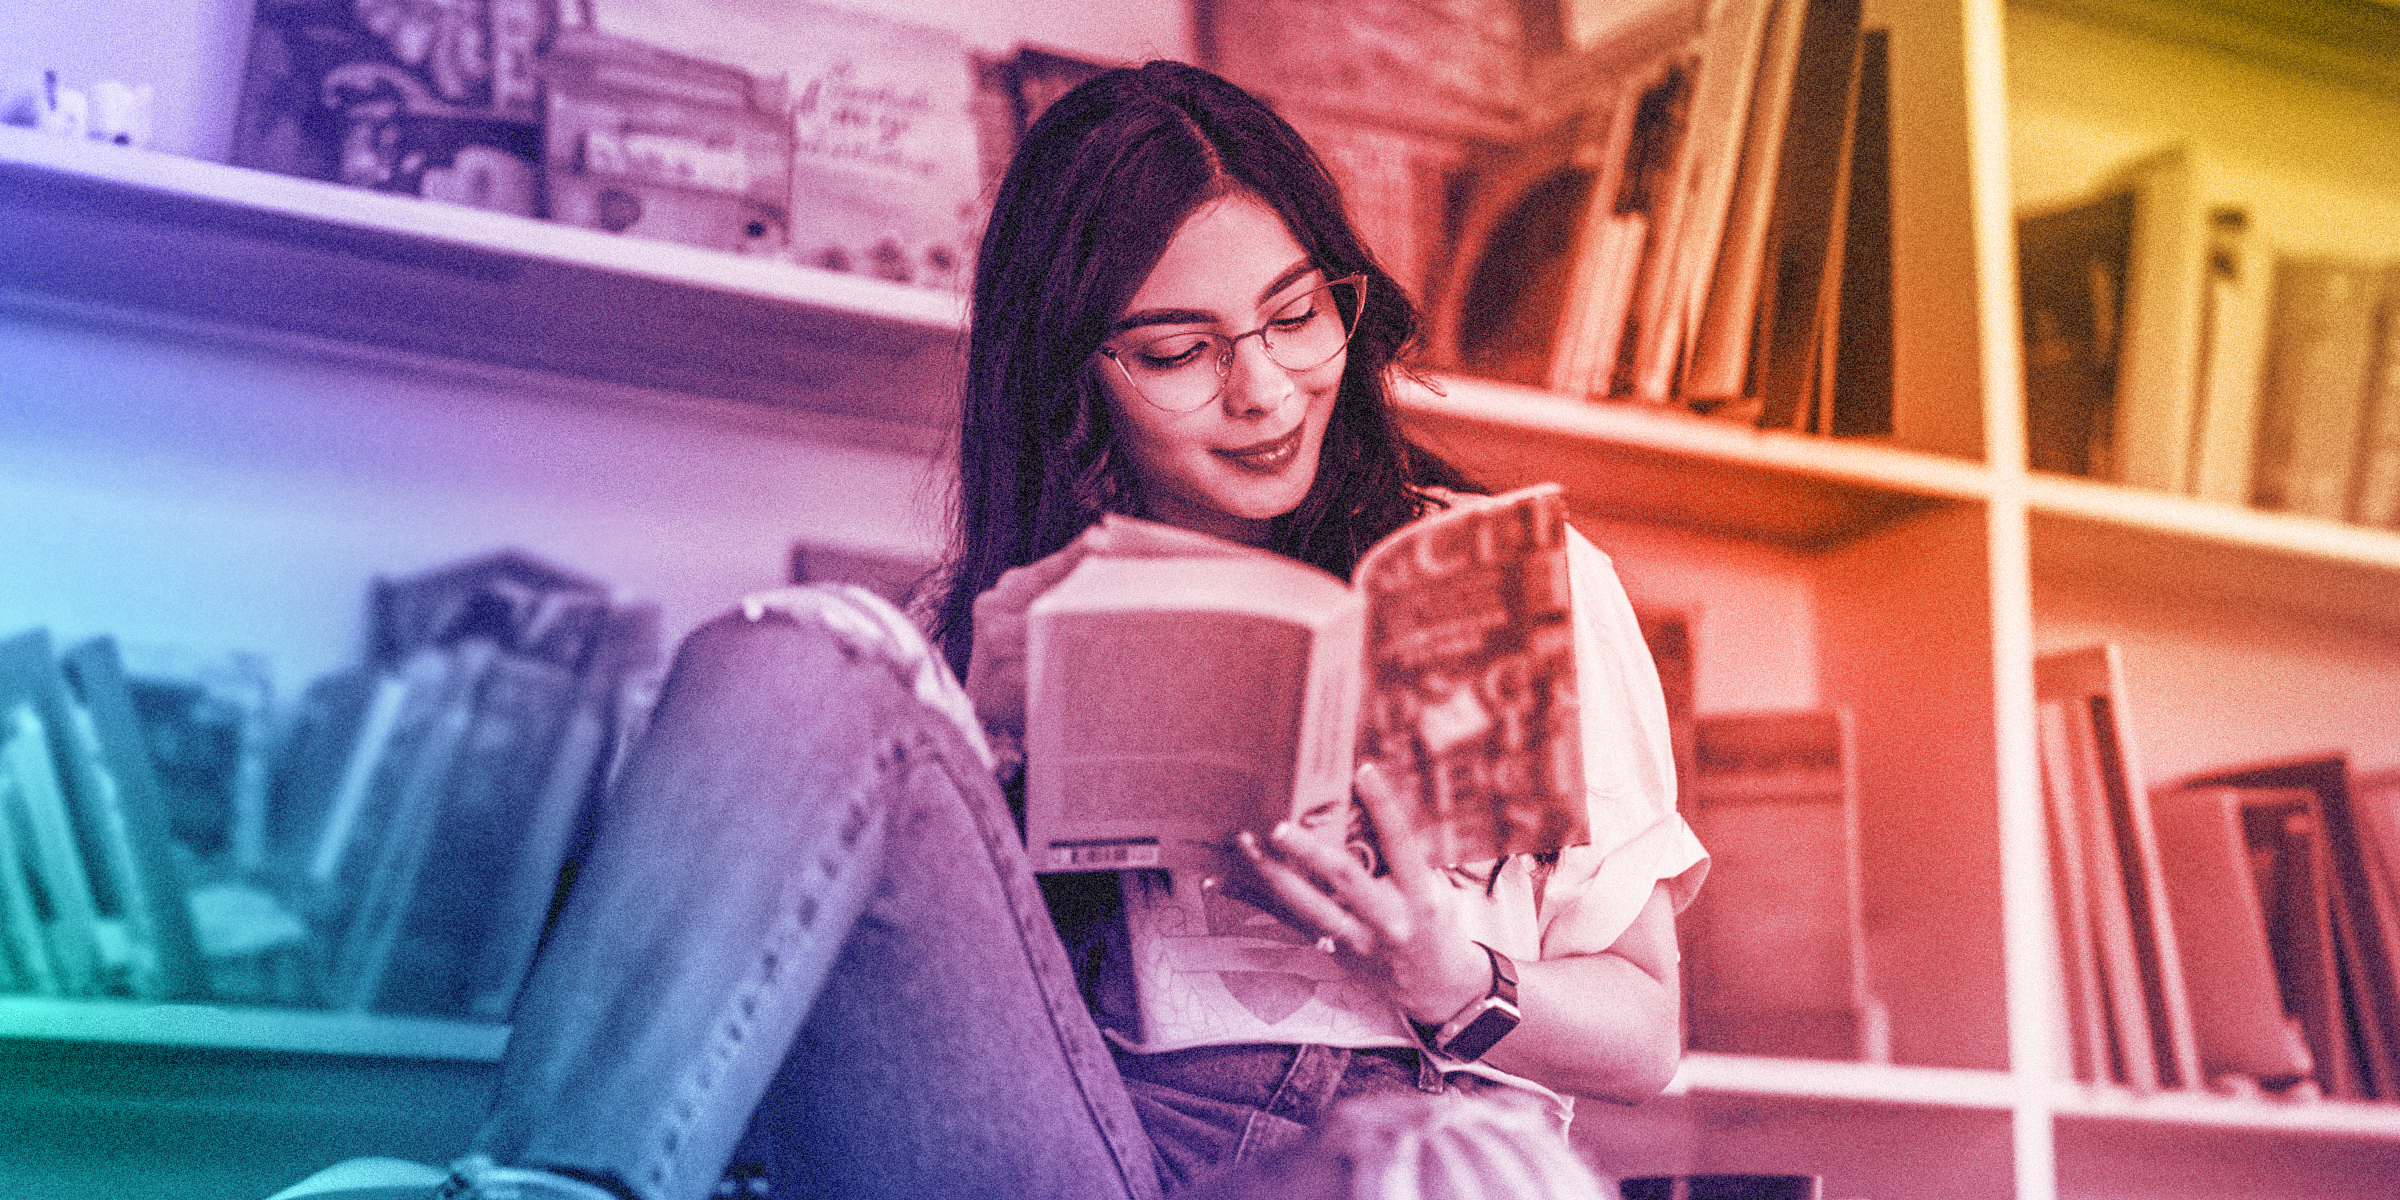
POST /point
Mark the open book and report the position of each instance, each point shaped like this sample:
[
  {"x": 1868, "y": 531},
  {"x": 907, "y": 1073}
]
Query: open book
[{"x": 1174, "y": 701}]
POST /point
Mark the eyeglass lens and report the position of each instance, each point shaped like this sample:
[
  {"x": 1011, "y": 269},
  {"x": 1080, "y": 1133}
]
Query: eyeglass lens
[{"x": 1183, "y": 371}]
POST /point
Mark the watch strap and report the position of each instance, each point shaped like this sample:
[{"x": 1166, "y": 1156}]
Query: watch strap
[{"x": 1484, "y": 1021}]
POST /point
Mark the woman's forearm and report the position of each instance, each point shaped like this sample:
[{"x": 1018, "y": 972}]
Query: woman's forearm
[{"x": 1603, "y": 1025}]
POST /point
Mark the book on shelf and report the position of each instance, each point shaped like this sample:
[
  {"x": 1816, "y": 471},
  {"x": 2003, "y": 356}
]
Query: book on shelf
[
  {"x": 90, "y": 834},
  {"x": 1619, "y": 233},
  {"x": 1775, "y": 947},
  {"x": 142, "y": 860},
  {"x": 56, "y": 937},
  {"x": 2375, "y": 487},
  {"x": 1174, "y": 701},
  {"x": 1703, "y": 220},
  {"x": 2125, "y": 971},
  {"x": 2071, "y": 270},
  {"x": 2218, "y": 846},
  {"x": 2233, "y": 322},
  {"x": 2322, "y": 355},
  {"x": 540, "y": 841},
  {"x": 2334, "y": 909},
  {"x": 440, "y": 850}
]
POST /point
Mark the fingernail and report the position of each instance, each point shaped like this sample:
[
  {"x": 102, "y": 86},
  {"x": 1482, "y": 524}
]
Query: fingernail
[
  {"x": 1210, "y": 883},
  {"x": 1248, "y": 841},
  {"x": 1283, "y": 832}
]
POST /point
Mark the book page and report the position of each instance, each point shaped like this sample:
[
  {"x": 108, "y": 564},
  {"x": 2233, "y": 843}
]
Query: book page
[{"x": 1469, "y": 697}]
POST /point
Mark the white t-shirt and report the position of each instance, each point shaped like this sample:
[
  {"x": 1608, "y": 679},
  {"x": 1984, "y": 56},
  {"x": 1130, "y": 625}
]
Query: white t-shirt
[{"x": 1210, "y": 970}]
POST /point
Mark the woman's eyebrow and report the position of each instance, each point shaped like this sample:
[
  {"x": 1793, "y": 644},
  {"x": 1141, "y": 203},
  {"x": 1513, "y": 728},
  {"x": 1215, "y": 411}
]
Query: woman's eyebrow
[
  {"x": 1291, "y": 274},
  {"x": 1193, "y": 316}
]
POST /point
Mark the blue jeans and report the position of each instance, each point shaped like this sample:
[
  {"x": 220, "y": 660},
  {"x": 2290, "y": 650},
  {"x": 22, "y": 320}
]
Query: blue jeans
[{"x": 806, "y": 935}]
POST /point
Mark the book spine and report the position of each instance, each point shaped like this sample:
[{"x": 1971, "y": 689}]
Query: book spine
[
  {"x": 2093, "y": 1058},
  {"x": 28, "y": 949},
  {"x": 2316, "y": 378},
  {"x": 133, "y": 809},
  {"x": 2375, "y": 490},
  {"x": 404, "y": 840},
  {"x": 71, "y": 925},
  {"x": 554, "y": 809},
  {"x": 2232, "y": 348}
]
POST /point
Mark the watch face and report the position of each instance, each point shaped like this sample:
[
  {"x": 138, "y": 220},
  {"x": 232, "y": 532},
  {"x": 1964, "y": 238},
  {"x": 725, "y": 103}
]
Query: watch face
[{"x": 1482, "y": 1033}]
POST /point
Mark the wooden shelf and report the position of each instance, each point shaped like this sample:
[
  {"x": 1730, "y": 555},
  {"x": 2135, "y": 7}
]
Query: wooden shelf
[
  {"x": 1657, "y": 466},
  {"x": 1816, "y": 1079},
  {"x": 2331, "y": 1117},
  {"x": 2143, "y": 543},
  {"x": 96, "y": 226},
  {"x": 124, "y": 1022}
]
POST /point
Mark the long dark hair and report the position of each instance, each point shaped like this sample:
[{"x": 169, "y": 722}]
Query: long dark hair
[{"x": 1097, "y": 189}]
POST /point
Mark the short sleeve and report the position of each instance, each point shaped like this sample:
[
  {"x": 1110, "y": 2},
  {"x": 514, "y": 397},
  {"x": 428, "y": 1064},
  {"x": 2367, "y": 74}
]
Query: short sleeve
[{"x": 1638, "y": 838}]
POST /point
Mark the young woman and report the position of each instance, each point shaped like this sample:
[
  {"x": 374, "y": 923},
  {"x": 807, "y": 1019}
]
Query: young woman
[{"x": 806, "y": 940}]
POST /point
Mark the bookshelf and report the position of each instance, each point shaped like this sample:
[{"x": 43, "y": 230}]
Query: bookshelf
[{"x": 1912, "y": 580}]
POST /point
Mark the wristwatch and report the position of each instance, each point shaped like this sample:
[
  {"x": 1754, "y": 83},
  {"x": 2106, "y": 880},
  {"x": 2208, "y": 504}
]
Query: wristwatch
[{"x": 1483, "y": 1022}]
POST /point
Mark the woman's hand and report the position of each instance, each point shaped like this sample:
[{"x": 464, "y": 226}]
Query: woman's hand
[
  {"x": 996, "y": 670},
  {"x": 1403, "y": 931},
  {"x": 1599, "y": 1022}
]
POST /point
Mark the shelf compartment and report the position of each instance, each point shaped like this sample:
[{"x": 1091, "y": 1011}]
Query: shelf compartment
[
  {"x": 282, "y": 1030},
  {"x": 1650, "y": 465},
  {"x": 108, "y": 228},
  {"x": 2148, "y": 544}
]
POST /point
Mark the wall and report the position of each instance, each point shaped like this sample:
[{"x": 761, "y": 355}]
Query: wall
[
  {"x": 214, "y": 497},
  {"x": 2316, "y": 161}
]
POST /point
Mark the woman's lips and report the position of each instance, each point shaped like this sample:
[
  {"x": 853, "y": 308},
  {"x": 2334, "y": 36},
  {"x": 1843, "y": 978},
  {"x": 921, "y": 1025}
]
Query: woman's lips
[{"x": 1268, "y": 457}]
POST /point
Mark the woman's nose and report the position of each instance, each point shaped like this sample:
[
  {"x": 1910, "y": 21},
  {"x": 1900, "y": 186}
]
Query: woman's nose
[{"x": 1254, "y": 383}]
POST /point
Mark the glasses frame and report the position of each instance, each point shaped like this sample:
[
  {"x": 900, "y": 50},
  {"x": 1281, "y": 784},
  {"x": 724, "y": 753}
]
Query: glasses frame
[{"x": 1225, "y": 359}]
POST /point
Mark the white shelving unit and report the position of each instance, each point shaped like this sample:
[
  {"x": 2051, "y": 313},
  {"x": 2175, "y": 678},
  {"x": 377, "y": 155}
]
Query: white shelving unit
[{"x": 1932, "y": 577}]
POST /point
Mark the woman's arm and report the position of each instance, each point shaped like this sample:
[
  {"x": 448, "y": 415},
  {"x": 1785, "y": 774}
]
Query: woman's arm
[{"x": 1600, "y": 1024}]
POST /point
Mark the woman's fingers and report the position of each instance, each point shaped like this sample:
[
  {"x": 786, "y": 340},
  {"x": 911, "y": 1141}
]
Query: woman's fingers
[
  {"x": 1305, "y": 902},
  {"x": 995, "y": 681},
  {"x": 1405, "y": 850}
]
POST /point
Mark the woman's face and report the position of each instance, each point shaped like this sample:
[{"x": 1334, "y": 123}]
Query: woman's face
[{"x": 1249, "y": 455}]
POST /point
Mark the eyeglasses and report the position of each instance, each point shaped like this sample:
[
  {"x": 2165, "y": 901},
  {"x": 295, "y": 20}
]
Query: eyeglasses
[{"x": 1180, "y": 372}]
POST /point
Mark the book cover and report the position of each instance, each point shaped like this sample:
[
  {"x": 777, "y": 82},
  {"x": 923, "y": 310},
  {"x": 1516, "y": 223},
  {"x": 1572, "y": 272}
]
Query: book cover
[
  {"x": 2077, "y": 876},
  {"x": 2375, "y": 484},
  {"x": 554, "y": 807},
  {"x": 2238, "y": 1015},
  {"x": 149, "y": 876},
  {"x": 24, "y": 948},
  {"x": 2363, "y": 944},
  {"x": 66, "y": 911},
  {"x": 1172, "y": 702},
  {"x": 440, "y": 101},
  {"x": 1775, "y": 946},
  {"x": 2091, "y": 740},
  {"x": 2072, "y": 266},
  {"x": 2320, "y": 344}
]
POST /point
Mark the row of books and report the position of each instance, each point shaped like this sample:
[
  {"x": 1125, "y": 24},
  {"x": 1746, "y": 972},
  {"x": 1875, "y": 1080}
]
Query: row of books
[
  {"x": 2170, "y": 344},
  {"x": 1721, "y": 193},
  {"x": 1774, "y": 947},
  {"x": 402, "y": 832},
  {"x": 2235, "y": 931}
]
